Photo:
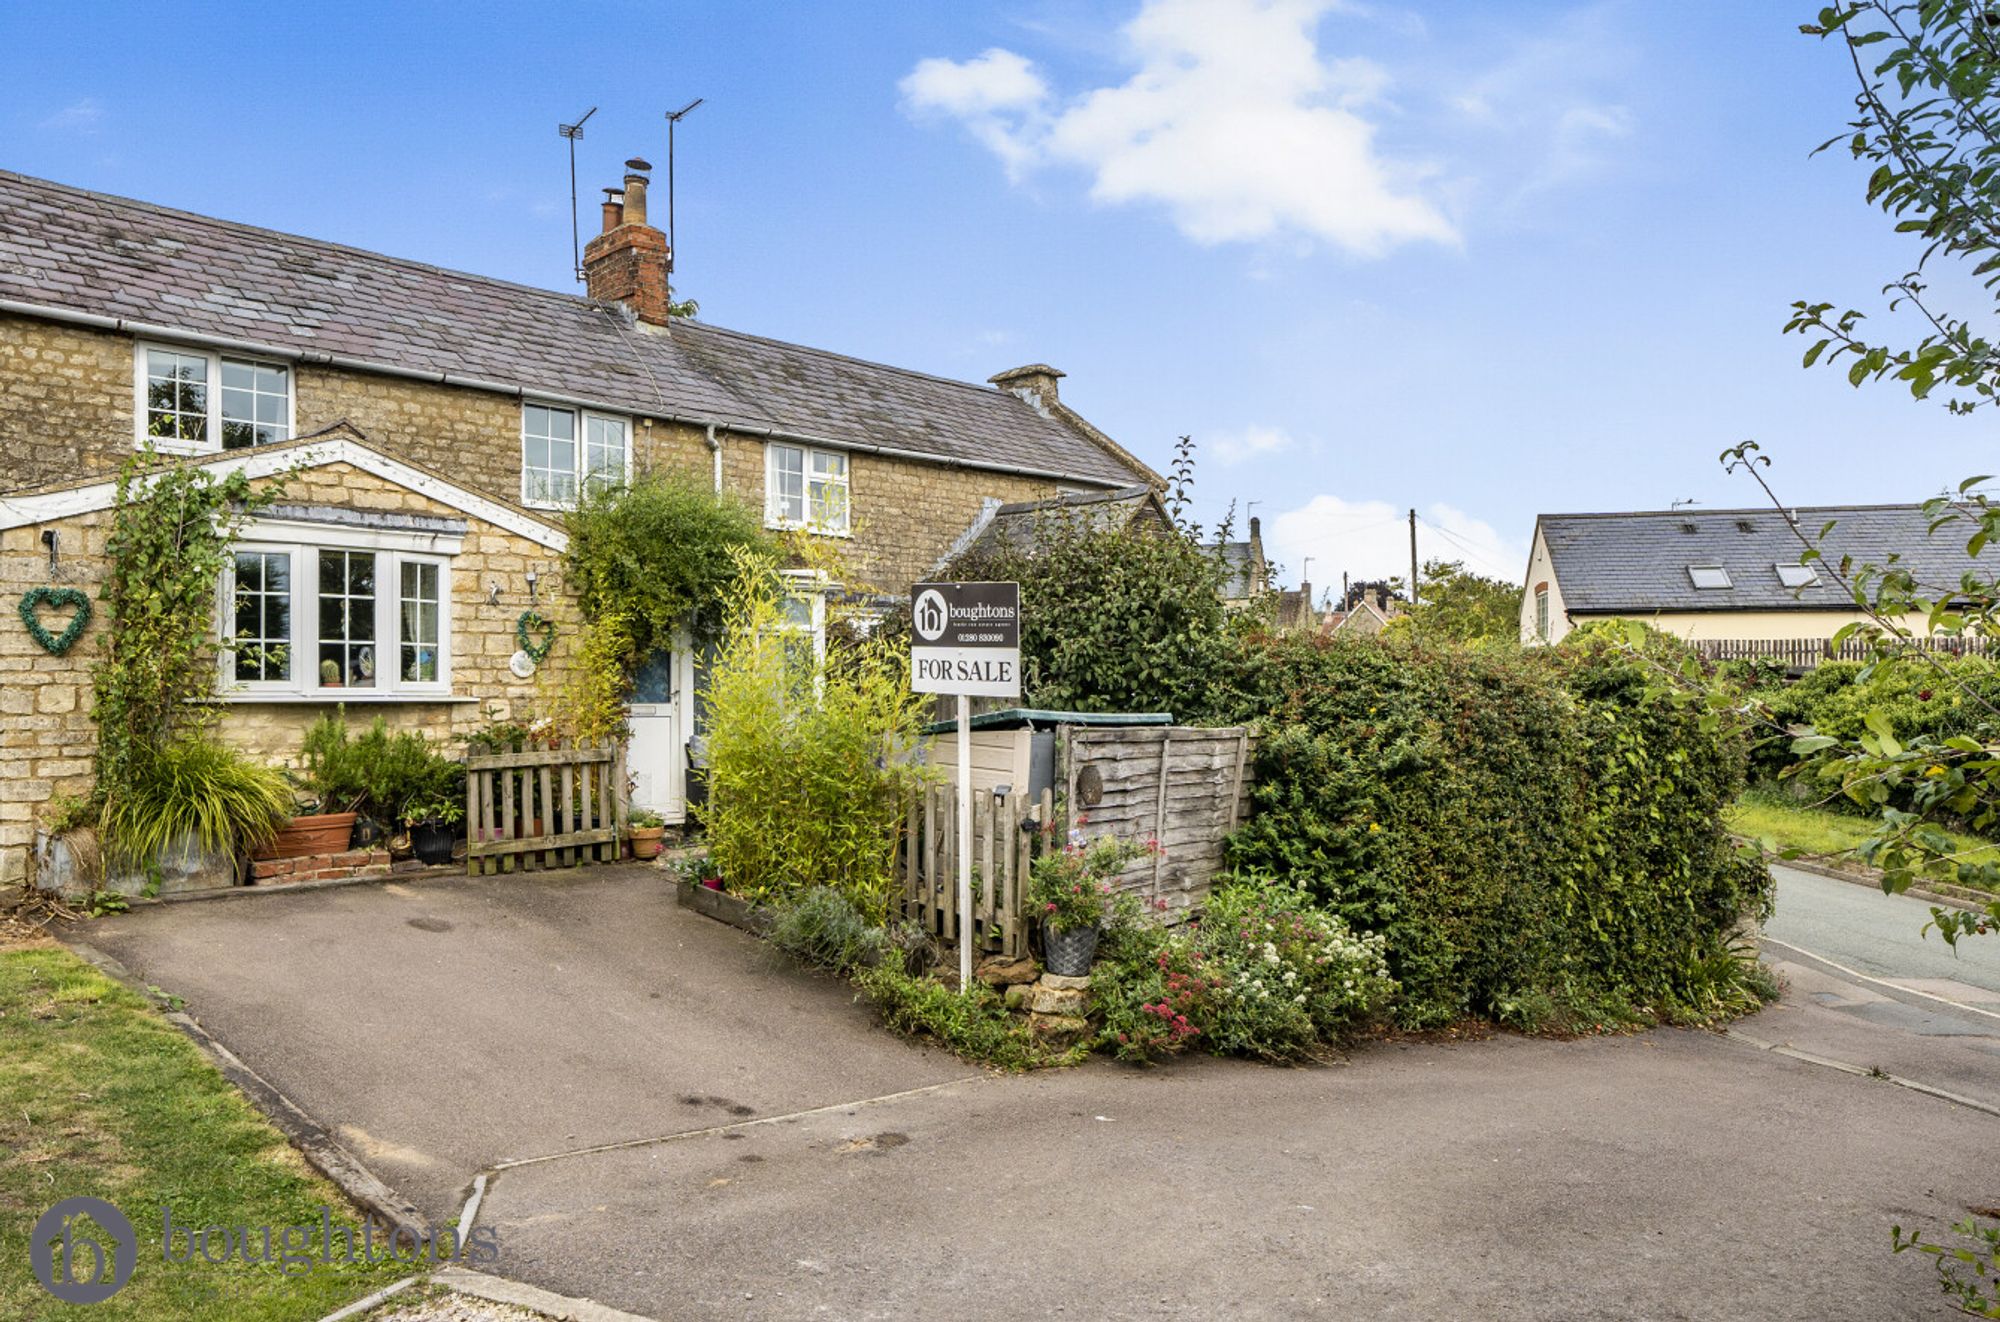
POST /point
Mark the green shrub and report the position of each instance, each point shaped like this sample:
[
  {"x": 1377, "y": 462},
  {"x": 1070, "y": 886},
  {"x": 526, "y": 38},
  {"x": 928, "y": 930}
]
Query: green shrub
[
  {"x": 1265, "y": 972},
  {"x": 663, "y": 551},
  {"x": 378, "y": 773},
  {"x": 811, "y": 766},
  {"x": 1117, "y": 619},
  {"x": 975, "y": 1025},
  {"x": 1519, "y": 826},
  {"x": 193, "y": 788},
  {"x": 824, "y": 929}
]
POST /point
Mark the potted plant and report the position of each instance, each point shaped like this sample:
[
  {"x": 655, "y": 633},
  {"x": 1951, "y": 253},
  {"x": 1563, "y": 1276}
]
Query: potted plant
[
  {"x": 647, "y": 831},
  {"x": 433, "y": 827},
  {"x": 1069, "y": 892}
]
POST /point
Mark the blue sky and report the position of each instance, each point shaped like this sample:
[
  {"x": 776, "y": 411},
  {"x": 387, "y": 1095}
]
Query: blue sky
[{"x": 1483, "y": 259}]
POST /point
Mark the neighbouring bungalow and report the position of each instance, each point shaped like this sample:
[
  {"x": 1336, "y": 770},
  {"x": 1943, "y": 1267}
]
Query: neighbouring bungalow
[
  {"x": 431, "y": 427},
  {"x": 1729, "y": 580}
]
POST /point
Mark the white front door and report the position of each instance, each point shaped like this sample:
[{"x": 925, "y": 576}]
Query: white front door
[{"x": 655, "y": 758}]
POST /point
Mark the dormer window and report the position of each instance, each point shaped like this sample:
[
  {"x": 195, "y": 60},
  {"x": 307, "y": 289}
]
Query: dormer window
[
  {"x": 188, "y": 401},
  {"x": 564, "y": 450}
]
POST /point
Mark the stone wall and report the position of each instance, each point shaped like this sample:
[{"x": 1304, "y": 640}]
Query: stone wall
[
  {"x": 66, "y": 413},
  {"x": 47, "y": 739},
  {"x": 65, "y": 402},
  {"x": 906, "y": 514}
]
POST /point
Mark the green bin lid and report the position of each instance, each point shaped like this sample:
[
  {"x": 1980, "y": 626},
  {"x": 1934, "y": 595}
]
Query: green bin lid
[{"x": 1034, "y": 718}]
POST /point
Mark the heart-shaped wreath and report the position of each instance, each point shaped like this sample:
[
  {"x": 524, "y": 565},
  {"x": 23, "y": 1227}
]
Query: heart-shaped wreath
[
  {"x": 35, "y": 598},
  {"x": 524, "y": 633}
]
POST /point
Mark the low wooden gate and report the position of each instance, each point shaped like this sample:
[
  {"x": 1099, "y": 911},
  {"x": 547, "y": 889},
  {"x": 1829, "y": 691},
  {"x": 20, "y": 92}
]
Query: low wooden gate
[
  {"x": 1006, "y": 836},
  {"x": 536, "y": 808}
]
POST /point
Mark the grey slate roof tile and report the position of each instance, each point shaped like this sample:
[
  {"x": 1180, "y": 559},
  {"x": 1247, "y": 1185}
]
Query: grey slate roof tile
[
  {"x": 1639, "y": 562},
  {"x": 114, "y": 257}
]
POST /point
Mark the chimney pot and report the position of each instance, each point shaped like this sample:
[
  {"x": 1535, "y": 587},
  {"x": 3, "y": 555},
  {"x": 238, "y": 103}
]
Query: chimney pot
[
  {"x": 635, "y": 198},
  {"x": 627, "y": 263}
]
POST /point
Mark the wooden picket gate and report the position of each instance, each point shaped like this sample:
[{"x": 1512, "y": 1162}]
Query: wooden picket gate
[
  {"x": 1005, "y": 840},
  {"x": 534, "y": 808}
]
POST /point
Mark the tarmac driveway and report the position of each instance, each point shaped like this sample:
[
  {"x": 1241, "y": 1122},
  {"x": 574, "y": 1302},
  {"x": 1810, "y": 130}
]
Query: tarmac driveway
[{"x": 775, "y": 1154}]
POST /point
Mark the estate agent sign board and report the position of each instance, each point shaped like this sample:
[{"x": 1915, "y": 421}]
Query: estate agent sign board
[{"x": 966, "y": 639}]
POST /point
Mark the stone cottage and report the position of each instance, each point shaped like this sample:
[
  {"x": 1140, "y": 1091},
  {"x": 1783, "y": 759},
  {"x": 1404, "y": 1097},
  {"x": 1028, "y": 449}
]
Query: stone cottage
[{"x": 431, "y": 427}]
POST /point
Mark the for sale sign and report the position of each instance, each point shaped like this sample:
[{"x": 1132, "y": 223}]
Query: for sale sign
[{"x": 966, "y": 638}]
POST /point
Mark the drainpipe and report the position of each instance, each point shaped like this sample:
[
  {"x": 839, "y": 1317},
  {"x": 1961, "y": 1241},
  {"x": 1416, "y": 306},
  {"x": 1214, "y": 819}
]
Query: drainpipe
[{"x": 715, "y": 449}]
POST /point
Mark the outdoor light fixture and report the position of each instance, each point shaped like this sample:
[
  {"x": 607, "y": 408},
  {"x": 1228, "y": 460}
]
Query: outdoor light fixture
[
  {"x": 531, "y": 585},
  {"x": 49, "y": 539},
  {"x": 1002, "y": 791}
]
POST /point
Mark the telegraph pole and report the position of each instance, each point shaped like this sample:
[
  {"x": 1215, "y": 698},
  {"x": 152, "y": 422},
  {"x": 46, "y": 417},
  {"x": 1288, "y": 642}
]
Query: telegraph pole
[{"x": 1413, "y": 559}]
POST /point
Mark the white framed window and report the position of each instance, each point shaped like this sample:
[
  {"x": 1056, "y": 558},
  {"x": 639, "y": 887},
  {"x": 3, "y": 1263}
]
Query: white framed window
[
  {"x": 189, "y": 401},
  {"x": 565, "y": 450},
  {"x": 366, "y": 617},
  {"x": 802, "y": 611},
  {"x": 1542, "y": 614},
  {"x": 806, "y": 488},
  {"x": 1797, "y": 576}
]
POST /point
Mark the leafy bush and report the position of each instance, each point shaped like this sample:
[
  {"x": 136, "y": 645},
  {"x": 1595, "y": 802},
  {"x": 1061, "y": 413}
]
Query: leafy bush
[
  {"x": 1543, "y": 823},
  {"x": 193, "y": 788},
  {"x": 811, "y": 766},
  {"x": 975, "y": 1025},
  {"x": 663, "y": 549},
  {"x": 378, "y": 773},
  {"x": 824, "y": 929},
  {"x": 1265, "y": 972},
  {"x": 1116, "y": 619}
]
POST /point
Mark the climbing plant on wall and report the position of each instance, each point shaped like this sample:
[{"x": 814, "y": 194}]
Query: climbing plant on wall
[{"x": 168, "y": 543}]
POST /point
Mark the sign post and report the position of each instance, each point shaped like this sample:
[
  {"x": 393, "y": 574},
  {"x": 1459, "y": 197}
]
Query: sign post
[{"x": 966, "y": 641}]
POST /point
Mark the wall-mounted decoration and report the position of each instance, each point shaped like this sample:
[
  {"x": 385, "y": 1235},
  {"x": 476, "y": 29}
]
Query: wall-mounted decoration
[
  {"x": 73, "y": 599},
  {"x": 536, "y": 633}
]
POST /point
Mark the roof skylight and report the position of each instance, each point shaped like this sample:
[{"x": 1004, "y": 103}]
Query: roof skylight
[
  {"x": 1709, "y": 577},
  {"x": 1797, "y": 576}
]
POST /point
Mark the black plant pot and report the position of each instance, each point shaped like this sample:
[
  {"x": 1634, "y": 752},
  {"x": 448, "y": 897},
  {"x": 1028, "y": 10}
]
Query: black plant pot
[{"x": 433, "y": 842}]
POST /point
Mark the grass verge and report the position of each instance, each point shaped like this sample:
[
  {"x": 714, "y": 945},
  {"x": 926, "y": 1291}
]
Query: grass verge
[
  {"x": 101, "y": 1096},
  {"x": 1777, "y": 824}
]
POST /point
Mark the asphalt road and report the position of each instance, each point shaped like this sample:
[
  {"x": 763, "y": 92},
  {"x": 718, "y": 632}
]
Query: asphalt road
[
  {"x": 1882, "y": 936},
  {"x": 711, "y": 1134}
]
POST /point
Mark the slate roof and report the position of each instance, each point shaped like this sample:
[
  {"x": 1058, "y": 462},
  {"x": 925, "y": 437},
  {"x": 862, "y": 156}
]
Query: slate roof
[
  {"x": 114, "y": 257},
  {"x": 1240, "y": 566},
  {"x": 1016, "y": 525},
  {"x": 1639, "y": 562}
]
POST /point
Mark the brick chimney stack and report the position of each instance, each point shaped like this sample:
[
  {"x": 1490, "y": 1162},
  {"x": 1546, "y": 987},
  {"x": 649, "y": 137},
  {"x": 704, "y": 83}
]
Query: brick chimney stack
[
  {"x": 627, "y": 263},
  {"x": 1035, "y": 383}
]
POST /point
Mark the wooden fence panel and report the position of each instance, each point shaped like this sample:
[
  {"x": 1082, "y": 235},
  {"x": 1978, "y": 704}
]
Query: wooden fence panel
[
  {"x": 1806, "y": 653},
  {"x": 1186, "y": 788},
  {"x": 516, "y": 821}
]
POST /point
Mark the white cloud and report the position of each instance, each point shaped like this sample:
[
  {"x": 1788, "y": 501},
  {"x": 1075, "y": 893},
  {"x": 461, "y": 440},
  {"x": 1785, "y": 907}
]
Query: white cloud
[
  {"x": 76, "y": 117},
  {"x": 1232, "y": 448},
  {"x": 1233, "y": 121},
  {"x": 1370, "y": 539},
  {"x": 993, "y": 94}
]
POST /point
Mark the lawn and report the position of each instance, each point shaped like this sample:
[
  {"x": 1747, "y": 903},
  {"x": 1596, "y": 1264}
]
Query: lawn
[
  {"x": 1782, "y": 824},
  {"x": 100, "y": 1096}
]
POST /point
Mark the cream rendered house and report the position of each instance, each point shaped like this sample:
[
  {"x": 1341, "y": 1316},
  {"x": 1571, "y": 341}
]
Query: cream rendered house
[{"x": 1726, "y": 576}]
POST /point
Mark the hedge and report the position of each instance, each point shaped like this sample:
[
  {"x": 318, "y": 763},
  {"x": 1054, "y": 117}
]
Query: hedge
[{"x": 1538, "y": 834}]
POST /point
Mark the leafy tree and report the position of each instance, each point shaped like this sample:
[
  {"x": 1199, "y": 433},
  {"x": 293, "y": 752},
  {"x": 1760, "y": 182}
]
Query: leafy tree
[
  {"x": 1927, "y": 116},
  {"x": 1456, "y": 605}
]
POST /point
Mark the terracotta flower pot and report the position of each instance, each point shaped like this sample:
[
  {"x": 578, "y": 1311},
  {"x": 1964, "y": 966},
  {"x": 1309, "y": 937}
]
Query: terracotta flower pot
[
  {"x": 322, "y": 833},
  {"x": 647, "y": 841}
]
